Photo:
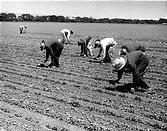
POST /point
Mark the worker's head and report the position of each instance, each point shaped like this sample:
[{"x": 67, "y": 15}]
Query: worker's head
[
  {"x": 124, "y": 50},
  {"x": 59, "y": 40},
  {"x": 119, "y": 63},
  {"x": 97, "y": 43},
  {"x": 89, "y": 37},
  {"x": 80, "y": 42},
  {"x": 42, "y": 45},
  {"x": 71, "y": 31}
]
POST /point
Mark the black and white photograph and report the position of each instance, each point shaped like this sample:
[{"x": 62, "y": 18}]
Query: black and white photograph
[{"x": 83, "y": 65}]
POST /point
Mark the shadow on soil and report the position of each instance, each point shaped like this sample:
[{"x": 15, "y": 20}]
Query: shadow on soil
[{"x": 121, "y": 88}]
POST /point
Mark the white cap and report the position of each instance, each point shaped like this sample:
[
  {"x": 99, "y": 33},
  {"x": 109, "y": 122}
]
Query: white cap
[{"x": 119, "y": 63}]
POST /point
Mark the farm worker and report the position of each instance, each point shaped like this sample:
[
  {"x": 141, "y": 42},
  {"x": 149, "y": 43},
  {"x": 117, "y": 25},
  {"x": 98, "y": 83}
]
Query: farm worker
[
  {"x": 137, "y": 62},
  {"x": 54, "y": 49},
  {"x": 131, "y": 47},
  {"x": 66, "y": 35},
  {"x": 22, "y": 29},
  {"x": 104, "y": 46},
  {"x": 85, "y": 46}
]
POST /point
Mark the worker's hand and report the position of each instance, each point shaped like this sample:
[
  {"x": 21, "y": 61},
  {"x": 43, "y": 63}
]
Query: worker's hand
[
  {"x": 95, "y": 58},
  {"x": 45, "y": 61},
  {"x": 116, "y": 81},
  {"x": 50, "y": 65},
  {"x": 113, "y": 82},
  {"x": 101, "y": 61}
]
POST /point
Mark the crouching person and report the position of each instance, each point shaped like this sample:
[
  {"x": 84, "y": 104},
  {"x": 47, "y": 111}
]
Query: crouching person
[
  {"x": 53, "y": 49},
  {"x": 85, "y": 46},
  {"x": 137, "y": 62}
]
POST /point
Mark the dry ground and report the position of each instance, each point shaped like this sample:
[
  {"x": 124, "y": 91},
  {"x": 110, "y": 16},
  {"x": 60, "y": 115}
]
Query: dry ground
[{"x": 74, "y": 97}]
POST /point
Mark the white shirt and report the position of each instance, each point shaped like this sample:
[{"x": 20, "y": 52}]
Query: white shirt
[
  {"x": 22, "y": 27},
  {"x": 105, "y": 42},
  {"x": 66, "y": 31}
]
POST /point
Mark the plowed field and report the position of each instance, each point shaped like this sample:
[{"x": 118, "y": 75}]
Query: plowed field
[{"x": 75, "y": 97}]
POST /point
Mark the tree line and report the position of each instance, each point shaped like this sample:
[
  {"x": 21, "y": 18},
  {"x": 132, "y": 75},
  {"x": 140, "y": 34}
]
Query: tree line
[{"x": 60, "y": 18}]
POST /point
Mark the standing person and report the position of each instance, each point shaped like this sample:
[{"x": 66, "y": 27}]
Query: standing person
[
  {"x": 137, "y": 62},
  {"x": 22, "y": 29},
  {"x": 53, "y": 48},
  {"x": 85, "y": 46},
  {"x": 104, "y": 46},
  {"x": 66, "y": 35}
]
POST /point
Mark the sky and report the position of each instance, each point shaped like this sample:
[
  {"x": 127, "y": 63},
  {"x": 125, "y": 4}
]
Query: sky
[{"x": 131, "y": 9}]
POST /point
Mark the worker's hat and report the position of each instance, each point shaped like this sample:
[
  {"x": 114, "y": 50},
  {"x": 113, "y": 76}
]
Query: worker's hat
[{"x": 119, "y": 63}]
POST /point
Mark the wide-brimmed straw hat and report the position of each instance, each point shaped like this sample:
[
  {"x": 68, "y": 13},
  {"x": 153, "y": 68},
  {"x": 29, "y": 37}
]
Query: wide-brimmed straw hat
[{"x": 119, "y": 63}]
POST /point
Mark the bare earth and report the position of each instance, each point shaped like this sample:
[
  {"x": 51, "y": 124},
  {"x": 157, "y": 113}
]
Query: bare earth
[{"x": 77, "y": 96}]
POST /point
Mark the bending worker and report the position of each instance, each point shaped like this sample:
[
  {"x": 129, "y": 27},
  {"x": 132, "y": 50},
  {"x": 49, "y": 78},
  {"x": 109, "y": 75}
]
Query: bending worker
[
  {"x": 22, "y": 29},
  {"x": 137, "y": 62},
  {"x": 131, "y": 47},
  {"x": 104, "y": 45},
  {"x": 86, "y": 46},
  {"x": 53, "y": 48},
  {"x": 66, "y": 35}
]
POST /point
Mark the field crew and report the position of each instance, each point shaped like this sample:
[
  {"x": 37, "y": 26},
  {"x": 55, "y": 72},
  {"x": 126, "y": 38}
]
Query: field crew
[
  {"x": 22, "y": 29},
  {"x": 86, "y": 46},
  {"x": 53, "y": 48},
  {"x": 137, "y": 62},
  {"x": 104, "y": 45},
  {"x": 66, "y": 35},
  {"x": 127, "y": 48}
]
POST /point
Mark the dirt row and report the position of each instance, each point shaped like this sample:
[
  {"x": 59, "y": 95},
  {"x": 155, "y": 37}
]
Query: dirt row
[{"x": 76, "y": 96}]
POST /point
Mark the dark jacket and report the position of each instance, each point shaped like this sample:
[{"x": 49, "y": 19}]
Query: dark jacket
[
  {"x": 136, "y": 62},
  {"x": 53, "y": 48},
  {"x": 84, "y": 43},
  {"x": 133, "y": 47}
]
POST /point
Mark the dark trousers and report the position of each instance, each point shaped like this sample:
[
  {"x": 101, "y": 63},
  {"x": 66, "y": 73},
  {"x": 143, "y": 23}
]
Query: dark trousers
[
  {"x": 138, "y": 79},
  {"x": 20, "y": 31},
  {"x": 84, "y": 49},
  {"x": 107, "y": 58},
  {"x": 55, "y": 59}
]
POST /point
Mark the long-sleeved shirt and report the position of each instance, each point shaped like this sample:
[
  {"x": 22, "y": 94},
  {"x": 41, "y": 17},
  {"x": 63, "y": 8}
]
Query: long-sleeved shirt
[
  {"x": 53, "y": 48},
  {"x": 136, "y": 61},
  {"x": 104, "y": 43},
  {"x": 133, "y": 47}
]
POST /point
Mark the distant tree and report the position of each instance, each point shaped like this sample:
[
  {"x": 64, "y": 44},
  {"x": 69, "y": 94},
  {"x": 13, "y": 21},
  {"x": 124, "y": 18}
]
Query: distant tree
[
  {"x": 8, "y": 17},
  {"x": 60, "y": 19},
  {"x": 162, "y": 21},
  {"x": 52, "y": 18},
  {"x": 11, "y": 17},
  {"x": 40, "y": 18},
  {"x": 26, "y": 17},
  {"x": 3, "y": 17},
  {"x": 78, "y": 19},
  {"x": 136, "y": 21}
]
